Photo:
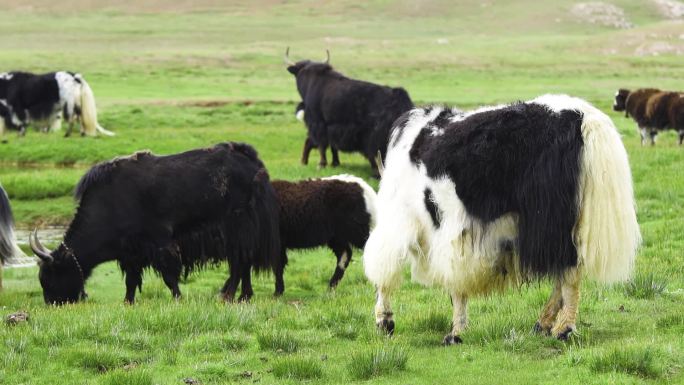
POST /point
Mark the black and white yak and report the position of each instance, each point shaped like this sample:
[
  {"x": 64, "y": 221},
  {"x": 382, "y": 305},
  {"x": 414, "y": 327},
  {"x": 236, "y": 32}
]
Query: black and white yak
[
  {"x": 349, "y": 115},
  {"x": 8, "y": 242},
  {"x": 481, "y": 200},
  {"x": 170, "y": 213},
  {"x": 337, "y": 211},
  {"x": 45, "y": 100}
]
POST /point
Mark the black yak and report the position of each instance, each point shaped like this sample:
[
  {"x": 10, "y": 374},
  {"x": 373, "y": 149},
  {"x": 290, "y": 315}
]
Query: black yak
[
  {"x": 337, "y": 211},
  {"x": 349, "y": 115},
  {"x": 480, "y": 200},
  {"x": 170, "y": 213}
]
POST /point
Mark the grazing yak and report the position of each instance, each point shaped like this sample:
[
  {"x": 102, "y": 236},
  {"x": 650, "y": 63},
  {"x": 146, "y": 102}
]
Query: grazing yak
[
  {"x": 337, "y": 211},
  {"x": 45, "y": 100},
  {"x": 8, "y": 242},
  {"x": 349, "y": 115},
  {"x": 498, "y": 196},
  {"x": 170, "y": 213},
  {"x": 653, "y": 110}
]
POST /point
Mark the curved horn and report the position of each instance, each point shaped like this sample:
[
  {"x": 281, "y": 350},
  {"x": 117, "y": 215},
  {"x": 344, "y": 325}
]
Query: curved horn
[
  {"x": 38, "y": 248},
  {"x": 327, "y": 57},
  {"x": 288, "y": 61}
]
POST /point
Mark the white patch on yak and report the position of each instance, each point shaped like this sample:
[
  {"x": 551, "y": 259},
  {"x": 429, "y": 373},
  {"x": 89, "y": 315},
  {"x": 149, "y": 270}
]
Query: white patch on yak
[
  {"x": 342, "y": 264},
  {"x": 69, "y": 93},
  {"x": 300, "y": 115},
  {"x": 6, "y": 76}
]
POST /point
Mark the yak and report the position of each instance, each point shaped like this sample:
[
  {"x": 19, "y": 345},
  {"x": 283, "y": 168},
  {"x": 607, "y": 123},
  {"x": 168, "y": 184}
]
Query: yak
[
  {"x": 171, "y": 213},
  {"x": 336, "y": 211},
  {"x": 8, "y": 241},
  {"x": 348, "y": 115},
  {"x": 46, "y": 100},
  {"x": 482, "y": 200}
]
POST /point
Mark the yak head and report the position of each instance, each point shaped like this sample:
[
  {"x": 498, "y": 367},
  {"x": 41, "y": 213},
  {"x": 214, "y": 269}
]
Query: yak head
[
  {"x": 620, "y": 100},
  {"x": 60, "y": 273},
  {"x": 295, "y": 68}
]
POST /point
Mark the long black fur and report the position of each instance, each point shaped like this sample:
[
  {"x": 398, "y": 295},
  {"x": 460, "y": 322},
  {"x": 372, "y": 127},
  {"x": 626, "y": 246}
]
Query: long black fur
[
  {"x": 171, "y": 213},
  {"x": 321, "y": 212},
  {"x": 349, "y": 115},
  {"x": 522, "y": 158},
  {"x": 30, "y": 96}
]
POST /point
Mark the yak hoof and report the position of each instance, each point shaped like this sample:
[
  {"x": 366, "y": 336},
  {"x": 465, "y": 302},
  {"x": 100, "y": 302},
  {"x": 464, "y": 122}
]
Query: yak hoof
[
  {"x": 244, "y": 298},
  {"x": 335, "y": 164},
  {"x": 565, "y": 335},
  {"x": 451, "y": 339},
  {"x": 304, "y": 162},
  {"x": 386, "y": 326}
]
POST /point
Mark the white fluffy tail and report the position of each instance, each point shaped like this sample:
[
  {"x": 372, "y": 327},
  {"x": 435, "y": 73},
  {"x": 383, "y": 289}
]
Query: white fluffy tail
[
  {"x": 89, "y": 112},
  {"x": 607, "y": 233},
  {"x": 8, "y": 242}
]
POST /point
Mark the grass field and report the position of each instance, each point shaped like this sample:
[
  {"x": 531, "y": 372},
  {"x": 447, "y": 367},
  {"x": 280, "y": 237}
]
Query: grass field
[{"x": 171, "y": 77}]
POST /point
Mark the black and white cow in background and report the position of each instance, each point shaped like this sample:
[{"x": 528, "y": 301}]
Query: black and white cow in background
[
  {"x": 482, "y": 200},
  {"x": 349, "y": 115},
  {"x": 45, "y": 100}
]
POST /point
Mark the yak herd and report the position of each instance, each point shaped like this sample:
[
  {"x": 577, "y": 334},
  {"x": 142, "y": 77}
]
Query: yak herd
[{"x": 473, "y": 201}]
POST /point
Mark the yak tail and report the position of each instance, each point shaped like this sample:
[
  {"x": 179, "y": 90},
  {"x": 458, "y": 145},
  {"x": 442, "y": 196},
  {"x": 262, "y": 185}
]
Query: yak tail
[
  {"x": 89, "y": 112},
  {"x": 8, "y": 242},
  {"x": 607, "y": 233}
]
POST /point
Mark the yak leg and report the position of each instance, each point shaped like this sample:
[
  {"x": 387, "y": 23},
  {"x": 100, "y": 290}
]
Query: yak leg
[
  {"x": 459, "y": 320},
  {"x": 643, "y": 131},
  {"x": 653, "y": 134},
  {"x": 570, "y": 293},
  {"x": 247, "y": 291},
  {"x": 133, "y": 282},
  {"x": 324, "y": 161},
  {"x": 230, "y": 287},
  {"x": 374, "y": 167},
  {"x": 308, "y": 146},
  {"x": 344, "y": 254},
  {"x": 681, "y": 137},
  {"x": 384, "y": 317},
  {"x": 278, "y": 270},
  {"x": 335, "y": 156},
  {"x": 550, "y": 310}
]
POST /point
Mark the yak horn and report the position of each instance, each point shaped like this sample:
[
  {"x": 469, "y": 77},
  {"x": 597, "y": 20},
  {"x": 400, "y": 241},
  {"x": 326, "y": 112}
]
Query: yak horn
[
  {"x": 38, "y": 248},
  {"x": 378, "y": 160},
  {"x": 288, "y": 61},
  {"x": 327, "y": 57}
]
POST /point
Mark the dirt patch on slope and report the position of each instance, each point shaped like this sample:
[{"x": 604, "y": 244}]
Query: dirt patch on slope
[
  {"x": 670, "y": 9},
  {"x": 600, "y": 13}
]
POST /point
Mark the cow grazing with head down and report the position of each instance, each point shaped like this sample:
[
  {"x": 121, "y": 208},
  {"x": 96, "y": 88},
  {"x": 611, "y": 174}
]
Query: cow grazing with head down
[
  {"x": 44, "y": 100},
  {"x": 349, "y": 115},
  {"x": 337, "y": 212},
  {"x": 8, "y": 242},
  {"x": 482, "y": 200},
  {"x": 170, "y": 213}
]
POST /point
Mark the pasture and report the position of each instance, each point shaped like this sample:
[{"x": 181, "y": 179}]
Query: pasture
[{"x": 168, "y": 77}]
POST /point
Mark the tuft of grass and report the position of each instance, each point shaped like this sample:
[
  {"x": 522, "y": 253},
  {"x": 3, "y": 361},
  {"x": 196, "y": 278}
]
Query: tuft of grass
[
  {"x": 433, "y": 322},
  {"x": 278, "y": 340},
  {"x": 297, "y": 368},
  {"x": 646, "y": 362},
  {"x": 124, "y": 377},
  {"x": 645, "y": 286},
  {"x": 377, "y": 362},
  {"x": 99, "y": 360}
]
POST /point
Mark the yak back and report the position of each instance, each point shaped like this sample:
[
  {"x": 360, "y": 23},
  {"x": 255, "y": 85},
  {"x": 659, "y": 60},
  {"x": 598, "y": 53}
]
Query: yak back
[
  {"x": 314, "y": 211},
  {"x": 522, "y": 158},
  {"x": 636, "y": 103},
  {"x": 351, "y": 113},
  {"x": 658, "y": 109},
  {"x": 214, "y": 203}
]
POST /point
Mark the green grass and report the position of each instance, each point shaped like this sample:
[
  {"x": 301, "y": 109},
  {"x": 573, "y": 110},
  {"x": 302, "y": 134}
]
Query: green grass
[{"x": 170, "y": 79}]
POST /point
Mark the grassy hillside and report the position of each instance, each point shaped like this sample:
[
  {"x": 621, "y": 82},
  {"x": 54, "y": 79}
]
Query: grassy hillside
[{"x": 175, "y": 75}]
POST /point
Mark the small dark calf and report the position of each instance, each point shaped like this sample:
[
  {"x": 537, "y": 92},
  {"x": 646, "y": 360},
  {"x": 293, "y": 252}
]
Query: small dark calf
[{"x": 338, "y": 211}]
